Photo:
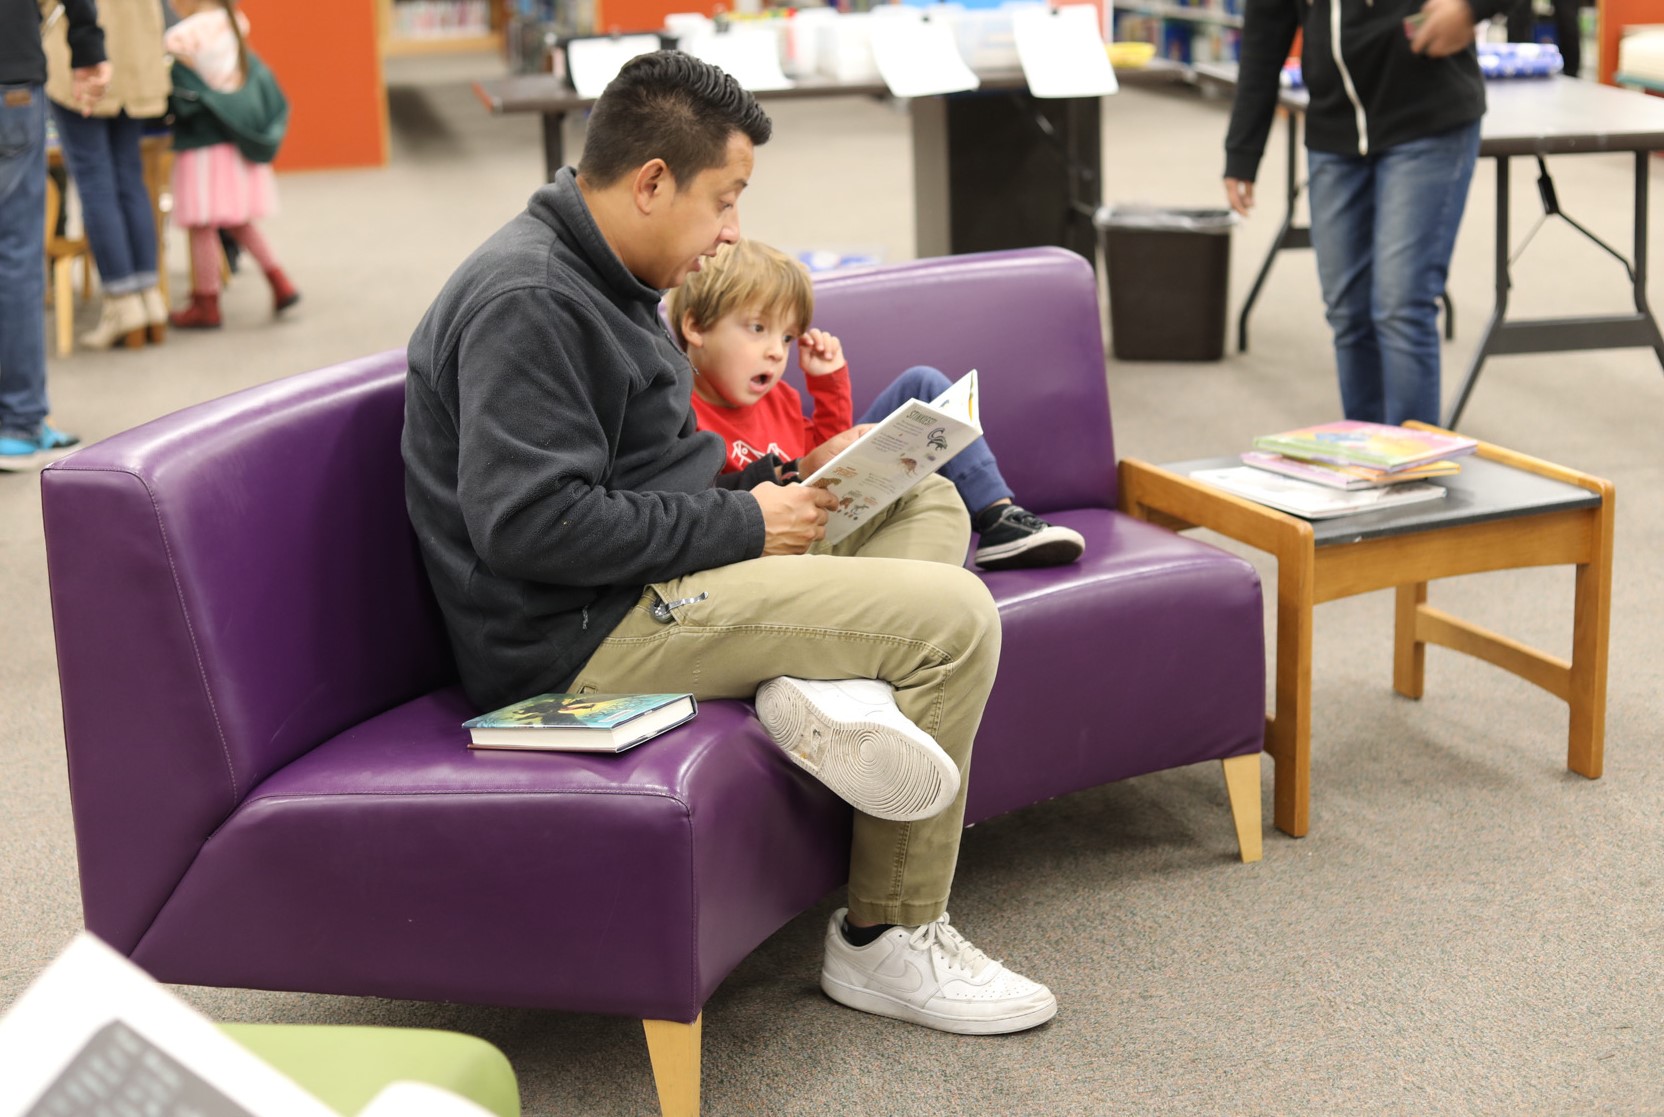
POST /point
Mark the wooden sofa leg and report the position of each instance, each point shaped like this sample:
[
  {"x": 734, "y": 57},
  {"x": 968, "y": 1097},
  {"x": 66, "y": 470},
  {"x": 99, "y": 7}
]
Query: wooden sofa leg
[
  {"x": 674, "y": 1050},
  {"x": 1242, "y": 786}
]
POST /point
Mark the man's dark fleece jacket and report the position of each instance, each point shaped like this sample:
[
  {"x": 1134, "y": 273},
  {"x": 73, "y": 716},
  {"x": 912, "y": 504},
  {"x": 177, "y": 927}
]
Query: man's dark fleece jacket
[
  {"x": 552, "y": 466},
  {"x": 1397, "y": 95},
  {"x": 23, "y": 62}
]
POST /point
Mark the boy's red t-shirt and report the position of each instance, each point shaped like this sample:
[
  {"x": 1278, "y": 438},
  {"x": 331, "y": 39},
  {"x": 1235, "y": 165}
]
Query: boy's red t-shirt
[{"x": 776, "y": 424}]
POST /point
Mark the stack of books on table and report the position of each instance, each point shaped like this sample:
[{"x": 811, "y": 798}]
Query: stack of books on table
[{"x": 1342, "y": 467}]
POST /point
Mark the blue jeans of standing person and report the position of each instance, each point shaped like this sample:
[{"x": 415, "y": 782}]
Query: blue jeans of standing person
[
  {"x": 22, "y": 260},
  {"x": 973, "y": 470},
  {"x": 1383, "y": 227},
  {"x": 107, "y": 164}
]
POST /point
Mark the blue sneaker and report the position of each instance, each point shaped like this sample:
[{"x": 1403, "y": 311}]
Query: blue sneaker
[{"x": 22, "y": 452}]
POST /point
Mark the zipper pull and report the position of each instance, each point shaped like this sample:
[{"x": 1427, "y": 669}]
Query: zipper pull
[{"x": 663, "y": 611}]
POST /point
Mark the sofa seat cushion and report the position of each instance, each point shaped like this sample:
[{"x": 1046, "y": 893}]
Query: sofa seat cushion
[
  {"x": 1147, "y": 654},
  {"x": 393, "y": 860}
]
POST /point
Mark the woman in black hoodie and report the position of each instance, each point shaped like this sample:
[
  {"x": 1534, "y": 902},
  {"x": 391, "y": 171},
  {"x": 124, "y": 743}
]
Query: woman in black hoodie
[{"x": 1392, "y": 134}]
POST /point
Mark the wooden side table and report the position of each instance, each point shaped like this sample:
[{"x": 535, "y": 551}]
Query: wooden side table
[{"x": 1504, "y": 511}]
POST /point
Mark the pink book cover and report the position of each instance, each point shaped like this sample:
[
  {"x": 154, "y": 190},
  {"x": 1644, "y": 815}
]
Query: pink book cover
[{"x": 1351, "y": 442}]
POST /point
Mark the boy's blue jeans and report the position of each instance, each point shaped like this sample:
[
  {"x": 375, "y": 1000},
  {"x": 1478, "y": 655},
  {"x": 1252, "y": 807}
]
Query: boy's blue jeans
[
  {"x": 107, "y": 164},
  {"x": 22, "y": 260},
  {"x": 973, "y": 470},
  {"x": 1383, "y": 227}
]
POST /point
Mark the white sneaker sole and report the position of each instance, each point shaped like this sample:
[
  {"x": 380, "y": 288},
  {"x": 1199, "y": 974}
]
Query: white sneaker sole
[
  {"x": 18, "y": 463},
  {"x": 1020, "y": 1018},
  {"x": 1052, "y": 547},
  {"x": 874, "y": 767}
]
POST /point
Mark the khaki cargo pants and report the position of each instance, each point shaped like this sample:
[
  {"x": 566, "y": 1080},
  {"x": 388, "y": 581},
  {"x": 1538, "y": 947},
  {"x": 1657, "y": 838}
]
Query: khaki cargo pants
[{"x": 891, "y": 601}]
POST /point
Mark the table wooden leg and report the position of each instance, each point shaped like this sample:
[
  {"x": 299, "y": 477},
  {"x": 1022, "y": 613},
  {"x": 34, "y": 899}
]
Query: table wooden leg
[
  {"x": 1591, "y": 622},
  {"x": 1289, "y": 733},
  {"x": 1409, "y": 654}
]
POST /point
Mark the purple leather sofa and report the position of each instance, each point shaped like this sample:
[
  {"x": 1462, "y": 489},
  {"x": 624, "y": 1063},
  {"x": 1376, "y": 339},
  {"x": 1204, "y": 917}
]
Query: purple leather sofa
[{"x": 270, "y": 784}]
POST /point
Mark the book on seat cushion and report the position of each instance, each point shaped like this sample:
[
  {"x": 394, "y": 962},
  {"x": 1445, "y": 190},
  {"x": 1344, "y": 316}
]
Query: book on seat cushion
[
  {"x": 580, "y": 722},
  {"x": 1349, "y": 442}
]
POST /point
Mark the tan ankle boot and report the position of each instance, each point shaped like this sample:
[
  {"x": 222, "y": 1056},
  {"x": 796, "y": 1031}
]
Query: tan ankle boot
[
  {"x": 156, "y": 314},
  {"x": 123, "y": 320}
]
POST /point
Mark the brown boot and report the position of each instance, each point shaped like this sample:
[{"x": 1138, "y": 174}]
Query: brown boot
[
  {"x": 284, "y": 294},
  {"x": 202, "y": 314}
]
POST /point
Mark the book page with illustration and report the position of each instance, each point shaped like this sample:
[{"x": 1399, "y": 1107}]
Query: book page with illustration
[{"x": 911, "y": 443}]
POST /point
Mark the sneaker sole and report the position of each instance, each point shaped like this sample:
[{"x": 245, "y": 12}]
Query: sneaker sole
[
  {"x": 1052, "y": 547},
  {"x": 873, "y": 767},
  {"x": 881, "y": 1004},
  {"x": 19, "y": 463}
]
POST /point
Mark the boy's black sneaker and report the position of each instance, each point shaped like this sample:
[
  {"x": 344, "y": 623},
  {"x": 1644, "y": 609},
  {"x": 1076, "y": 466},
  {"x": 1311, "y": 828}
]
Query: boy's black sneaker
[{"x": 1017, "y": 537}]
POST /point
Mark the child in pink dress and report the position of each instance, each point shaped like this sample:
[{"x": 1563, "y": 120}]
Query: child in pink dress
[{"x": 215, "y": 186}]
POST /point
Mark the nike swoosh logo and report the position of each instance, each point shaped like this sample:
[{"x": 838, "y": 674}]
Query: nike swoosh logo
[{"x": 898, "y": 973}]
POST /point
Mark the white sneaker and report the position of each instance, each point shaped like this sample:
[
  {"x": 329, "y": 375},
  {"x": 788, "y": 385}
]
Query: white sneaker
[
  {"x": 849, "y": 734},
  {"x": 931, "y": 975}
]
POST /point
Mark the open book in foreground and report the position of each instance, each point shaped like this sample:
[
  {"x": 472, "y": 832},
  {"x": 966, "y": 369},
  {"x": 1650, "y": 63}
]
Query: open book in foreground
[
  {"x": 908, "y": 445},
  {"x": 95, "y": 1034}
]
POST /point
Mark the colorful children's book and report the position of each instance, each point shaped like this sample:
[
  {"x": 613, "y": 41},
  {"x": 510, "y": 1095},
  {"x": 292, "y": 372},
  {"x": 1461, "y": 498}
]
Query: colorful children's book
[
  {"x": 1314, "y": 502},
  {"x": 1349, "y": 442},
  {"x": 1347, "y": 477},
  {"x": 580, "y": 722}
]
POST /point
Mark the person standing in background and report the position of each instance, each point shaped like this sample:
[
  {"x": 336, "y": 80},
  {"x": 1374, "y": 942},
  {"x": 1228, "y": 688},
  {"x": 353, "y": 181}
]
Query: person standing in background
[
  {"x": 1568, "y": 30},
  {"x": 103, "y": 154},
  {"x": 1392, "y": 135},
  {"x": 25, "y": 438}
]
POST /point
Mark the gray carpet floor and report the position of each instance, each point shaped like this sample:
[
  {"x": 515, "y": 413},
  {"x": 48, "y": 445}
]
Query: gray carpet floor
[{"x": 1468, "y": 928}]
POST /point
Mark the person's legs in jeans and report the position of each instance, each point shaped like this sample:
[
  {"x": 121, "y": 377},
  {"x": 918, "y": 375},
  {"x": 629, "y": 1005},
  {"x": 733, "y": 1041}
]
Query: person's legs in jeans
[
  {"x": 22, "y": 255},
  {"x": 1342, "y": 198},
  {"x": 88, "y": 152},
  {"x": 1421, "y": 189},
  {"x": 133, "y": 198},
  {"x": 973, "y": 470}
]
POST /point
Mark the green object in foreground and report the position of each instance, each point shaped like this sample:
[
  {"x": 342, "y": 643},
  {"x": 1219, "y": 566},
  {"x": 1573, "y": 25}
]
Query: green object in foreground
[{"x": 344, "y": 1066}]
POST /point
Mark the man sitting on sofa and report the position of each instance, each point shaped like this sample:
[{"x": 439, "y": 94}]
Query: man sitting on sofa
[{"x": 578, "y": 536}]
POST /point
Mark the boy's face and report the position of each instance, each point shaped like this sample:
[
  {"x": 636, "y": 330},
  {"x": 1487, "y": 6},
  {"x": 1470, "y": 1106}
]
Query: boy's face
[{"x": 741, "y": 358}]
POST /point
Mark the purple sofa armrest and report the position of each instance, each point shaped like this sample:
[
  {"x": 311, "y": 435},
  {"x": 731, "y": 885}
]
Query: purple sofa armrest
[{"x": 268, "y": 595}]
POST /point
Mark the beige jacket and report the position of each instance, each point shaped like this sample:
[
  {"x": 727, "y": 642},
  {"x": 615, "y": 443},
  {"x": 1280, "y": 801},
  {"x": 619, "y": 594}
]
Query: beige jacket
[{"x": 139, "y": 81}]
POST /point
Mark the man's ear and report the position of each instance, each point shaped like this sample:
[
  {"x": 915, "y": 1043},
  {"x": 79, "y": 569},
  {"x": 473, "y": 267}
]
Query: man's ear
[
  {"x": 652, "y": 182},
  {"x": 691, "y": 333}
]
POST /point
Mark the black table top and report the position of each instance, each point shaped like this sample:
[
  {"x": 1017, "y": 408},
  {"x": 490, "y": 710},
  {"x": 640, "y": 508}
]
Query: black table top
[
  {"x": 1536, "y": 116},
  {"x": 548, "y": 94},
  {"x": 1484, "y": 490}
]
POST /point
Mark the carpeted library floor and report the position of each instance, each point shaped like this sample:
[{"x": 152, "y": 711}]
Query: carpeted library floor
[{"x": 1468, "y": 928}]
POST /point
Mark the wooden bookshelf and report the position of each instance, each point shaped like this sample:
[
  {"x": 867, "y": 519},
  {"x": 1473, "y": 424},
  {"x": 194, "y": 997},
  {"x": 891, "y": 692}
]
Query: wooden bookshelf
[{"x": 395, "y": 45}]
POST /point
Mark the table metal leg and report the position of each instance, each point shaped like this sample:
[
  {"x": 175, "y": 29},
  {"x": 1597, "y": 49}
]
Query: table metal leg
[
  {"x": 1289, "y": 235},
  {"x": 554, "y": 144},
  {"x": 1500, "y": 311},
  {"x": 1642, "y": 180}
]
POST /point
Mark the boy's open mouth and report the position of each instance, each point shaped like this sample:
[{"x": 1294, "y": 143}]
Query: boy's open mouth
[{"x": 762, "y": 380}]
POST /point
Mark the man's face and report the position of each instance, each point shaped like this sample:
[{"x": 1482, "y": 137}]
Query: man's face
[{"x": 699, "y": 217}]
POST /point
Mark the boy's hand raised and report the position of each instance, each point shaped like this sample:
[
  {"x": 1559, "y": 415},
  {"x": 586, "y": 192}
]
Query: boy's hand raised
[
  {"x": 819, "y": 353},
  {"x": 830, "y": 449},
  {"x": 794, "y": 516}
]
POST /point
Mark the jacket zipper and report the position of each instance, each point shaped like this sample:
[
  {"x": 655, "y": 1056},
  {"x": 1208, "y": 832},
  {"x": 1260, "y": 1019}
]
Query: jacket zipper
[{"x": 1346, "y": 78}]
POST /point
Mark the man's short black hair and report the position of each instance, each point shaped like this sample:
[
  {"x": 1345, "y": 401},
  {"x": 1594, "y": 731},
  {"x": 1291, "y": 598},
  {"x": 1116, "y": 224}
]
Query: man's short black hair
[{"x": 671, "y": 106}]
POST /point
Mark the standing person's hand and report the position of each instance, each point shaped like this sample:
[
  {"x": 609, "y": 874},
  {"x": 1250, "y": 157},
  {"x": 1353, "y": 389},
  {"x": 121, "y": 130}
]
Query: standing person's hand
[
  {"x": 90, "y": 82},
  {"x": 1239, "y": 192},
  {"x": 794, "y": 516},
  {"x": 819, "y": 353},
  {"x": 1446, "y": 27}
]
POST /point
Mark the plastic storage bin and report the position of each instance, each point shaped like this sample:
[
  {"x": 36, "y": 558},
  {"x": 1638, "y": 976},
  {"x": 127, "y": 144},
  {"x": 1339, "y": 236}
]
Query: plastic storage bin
[{"x": 1169, "y": 281}]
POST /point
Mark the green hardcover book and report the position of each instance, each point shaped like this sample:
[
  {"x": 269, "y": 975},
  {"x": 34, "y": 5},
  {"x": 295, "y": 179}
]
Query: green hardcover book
[{"x": 580, "y": 722}]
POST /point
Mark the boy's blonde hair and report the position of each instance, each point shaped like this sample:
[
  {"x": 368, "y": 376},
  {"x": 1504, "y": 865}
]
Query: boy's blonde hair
[{"x": 747, "y": 275}]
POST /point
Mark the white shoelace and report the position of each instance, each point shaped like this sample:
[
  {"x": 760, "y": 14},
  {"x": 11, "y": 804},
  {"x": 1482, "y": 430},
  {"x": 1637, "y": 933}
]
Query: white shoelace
[{"x": 948, "y": 944}]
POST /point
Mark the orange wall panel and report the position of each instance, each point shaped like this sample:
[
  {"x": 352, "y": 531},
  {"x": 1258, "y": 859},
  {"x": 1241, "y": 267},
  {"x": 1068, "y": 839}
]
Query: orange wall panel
[{"x": 327, "y": 57}]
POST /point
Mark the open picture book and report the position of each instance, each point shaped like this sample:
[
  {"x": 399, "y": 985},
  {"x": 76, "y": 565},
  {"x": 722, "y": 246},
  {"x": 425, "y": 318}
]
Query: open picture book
[
  {"x": 908, "y": 445},
  {"x": 95, "y": 1034}
]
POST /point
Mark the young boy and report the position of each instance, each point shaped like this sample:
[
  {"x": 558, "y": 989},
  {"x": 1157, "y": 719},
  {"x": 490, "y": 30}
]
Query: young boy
[{"x": 739, "y": 316}]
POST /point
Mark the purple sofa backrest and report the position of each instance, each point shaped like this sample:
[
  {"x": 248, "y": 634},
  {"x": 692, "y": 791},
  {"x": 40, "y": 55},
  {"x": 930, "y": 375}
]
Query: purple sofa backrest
[
  {"x": 265, "y": 594},
  {"x": 1045, "y": 395}
]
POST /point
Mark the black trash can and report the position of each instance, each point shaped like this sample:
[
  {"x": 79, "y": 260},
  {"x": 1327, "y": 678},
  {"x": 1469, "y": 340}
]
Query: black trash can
[{"x": 1169, "y": 281}]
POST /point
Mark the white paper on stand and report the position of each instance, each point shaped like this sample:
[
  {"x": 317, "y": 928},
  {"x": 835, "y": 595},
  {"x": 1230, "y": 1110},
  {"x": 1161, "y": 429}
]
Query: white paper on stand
[
  {"x": 749, "y": 55},
  {"x": 920, "y": 57},
  {"x": 595, "y": 62},
  {"x": 1062, "y": 52}
]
